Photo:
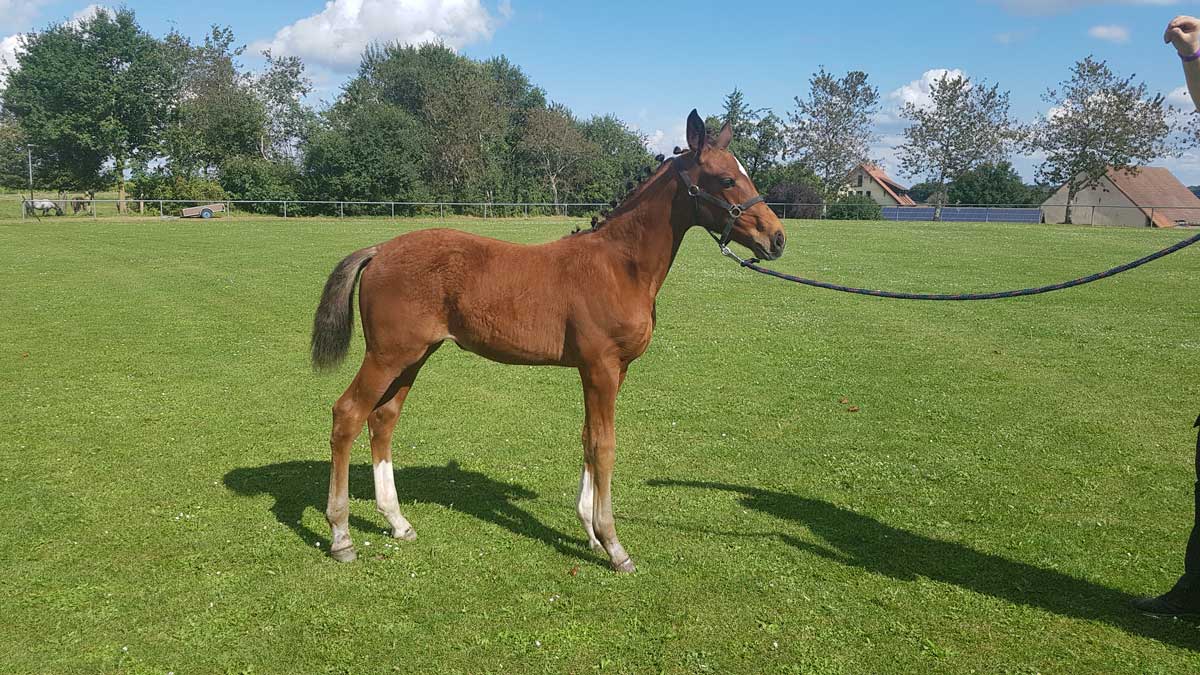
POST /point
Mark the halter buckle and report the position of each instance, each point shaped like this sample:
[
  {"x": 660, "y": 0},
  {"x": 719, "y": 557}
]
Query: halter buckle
[
  {"x": 694, "y": 190},
  {"x": 735, "y": 212}
]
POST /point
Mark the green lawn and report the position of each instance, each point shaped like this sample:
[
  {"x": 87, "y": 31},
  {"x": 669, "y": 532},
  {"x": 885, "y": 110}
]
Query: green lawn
[{"x": 1017, "y": 472}]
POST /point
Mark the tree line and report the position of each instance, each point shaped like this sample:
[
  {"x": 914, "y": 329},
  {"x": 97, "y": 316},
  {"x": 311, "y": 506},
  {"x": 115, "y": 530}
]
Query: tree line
[{"x": 107, "y": 105}]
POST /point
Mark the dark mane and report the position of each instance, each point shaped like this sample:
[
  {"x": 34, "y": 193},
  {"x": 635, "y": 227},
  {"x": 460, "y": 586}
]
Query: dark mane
[{"x": 633, "y": 188}]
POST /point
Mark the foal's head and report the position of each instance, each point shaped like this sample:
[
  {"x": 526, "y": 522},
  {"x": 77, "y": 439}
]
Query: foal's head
[{"x": 714, "y": 169}]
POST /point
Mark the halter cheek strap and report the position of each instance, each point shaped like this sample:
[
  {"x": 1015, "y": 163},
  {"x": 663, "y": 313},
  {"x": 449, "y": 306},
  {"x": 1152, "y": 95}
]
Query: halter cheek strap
[{"x": 734, "y": 211}]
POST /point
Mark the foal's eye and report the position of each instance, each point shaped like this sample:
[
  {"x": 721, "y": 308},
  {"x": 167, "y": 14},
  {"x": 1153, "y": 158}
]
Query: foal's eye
[{"x": 727, "y": 182}]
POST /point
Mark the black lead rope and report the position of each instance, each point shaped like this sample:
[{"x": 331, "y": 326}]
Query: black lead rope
[{"x": 752, "y": 264}]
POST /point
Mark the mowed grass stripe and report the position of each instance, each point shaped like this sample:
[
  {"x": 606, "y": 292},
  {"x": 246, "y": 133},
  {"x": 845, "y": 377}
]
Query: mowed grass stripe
[{"x": 1016, "y": 471}]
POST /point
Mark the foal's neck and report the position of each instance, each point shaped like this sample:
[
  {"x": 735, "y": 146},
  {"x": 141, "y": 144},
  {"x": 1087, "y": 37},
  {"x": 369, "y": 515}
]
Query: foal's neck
[{"x": 649, "y": 229}]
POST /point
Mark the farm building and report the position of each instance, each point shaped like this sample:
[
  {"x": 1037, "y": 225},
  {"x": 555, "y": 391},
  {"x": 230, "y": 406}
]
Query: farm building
[
  {"x": 872, "y": 181},
  {"x": 1151, "y": 197}
]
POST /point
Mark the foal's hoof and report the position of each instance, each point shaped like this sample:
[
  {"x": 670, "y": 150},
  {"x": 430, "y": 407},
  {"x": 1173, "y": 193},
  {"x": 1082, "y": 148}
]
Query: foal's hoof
[
  {"x": 344, "y": 555},
  {"x": 624, "y": 567},
  {"x": 408, "y": 535}
]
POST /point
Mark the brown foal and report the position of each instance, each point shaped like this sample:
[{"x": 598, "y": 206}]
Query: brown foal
[{"x": 585, "y": 301}]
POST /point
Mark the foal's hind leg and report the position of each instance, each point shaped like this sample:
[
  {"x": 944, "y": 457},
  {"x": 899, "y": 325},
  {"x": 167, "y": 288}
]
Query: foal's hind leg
[{"x": 382, "y": 423}]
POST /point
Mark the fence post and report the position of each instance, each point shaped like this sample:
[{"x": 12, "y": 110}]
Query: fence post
[
  {"x": 161, "y": 212},
  {"x": 285, "y": 208},
  {"x": 1093, "y": 220},
  {"x": 987, "y": 215},
  {"x": 442, "y": 211},
  {"x": 341, "y": 210},
  {"x": 1151, "y": 216},
  {"x": 393, "y": 210}
]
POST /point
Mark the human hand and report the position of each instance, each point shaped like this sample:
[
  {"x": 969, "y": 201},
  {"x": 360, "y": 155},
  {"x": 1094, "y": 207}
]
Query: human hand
[{"x": 1184, "y": 33}]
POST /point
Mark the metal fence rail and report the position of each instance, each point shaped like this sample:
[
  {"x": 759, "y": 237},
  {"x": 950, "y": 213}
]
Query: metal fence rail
[{"x": 290, "y": 208}]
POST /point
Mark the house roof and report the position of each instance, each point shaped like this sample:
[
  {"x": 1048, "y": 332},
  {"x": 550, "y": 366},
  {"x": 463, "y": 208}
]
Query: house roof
[
  {"x": 895, "y": 190},
  {"x": 1155, "y": 191}
]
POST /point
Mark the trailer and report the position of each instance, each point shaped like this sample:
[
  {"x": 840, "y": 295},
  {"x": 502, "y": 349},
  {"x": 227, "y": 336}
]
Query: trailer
[{"x": 205, "y": 211}]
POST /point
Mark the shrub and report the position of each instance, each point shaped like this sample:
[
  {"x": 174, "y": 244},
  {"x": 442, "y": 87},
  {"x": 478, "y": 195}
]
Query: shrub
[
  {"x": 800, "y": 200},
  {"x": 855, "y": 207},
  {"x": 257, "y": 179},
  {"x": 159, "y": 185}
]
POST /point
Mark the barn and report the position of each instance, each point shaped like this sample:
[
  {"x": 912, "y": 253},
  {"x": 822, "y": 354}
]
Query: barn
[
  {"x": 872, "y": 181},
  {"x": 1149, "y": 197}
]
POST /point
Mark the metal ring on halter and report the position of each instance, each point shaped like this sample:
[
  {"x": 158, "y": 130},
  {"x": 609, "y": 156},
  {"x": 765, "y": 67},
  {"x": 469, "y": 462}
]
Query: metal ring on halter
[
  {"x": 735, "y": 212},
  {"x": 694, "y": 190}
]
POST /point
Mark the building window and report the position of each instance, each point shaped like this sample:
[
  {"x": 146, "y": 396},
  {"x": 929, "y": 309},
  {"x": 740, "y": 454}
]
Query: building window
[
  {"x": 859, "y": 183},
  {"x": 868, "y": 193}
]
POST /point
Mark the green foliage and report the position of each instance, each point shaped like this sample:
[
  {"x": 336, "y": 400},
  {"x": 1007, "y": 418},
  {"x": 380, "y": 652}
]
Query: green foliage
[
  {"x": 258, "y": 179},
  {"x": 799, "y": 200},
  {"x": 14, "y": 173},
  {"x": 620, "y": 155},
  {"x": 990, "y": 184},
  {"x": 831, "y": 130},
  {"x": 793, "y": 173},
  {"x": 758, "y": 135},
  {"x": 367, "y": 150},
  {"x": 924, "y": 192},
  {"x": 854, "y": 207},
  {"x": 1195, "y": 190},
  {"x": 162, "y": 185},
  {"x": 88, "y": 93}
]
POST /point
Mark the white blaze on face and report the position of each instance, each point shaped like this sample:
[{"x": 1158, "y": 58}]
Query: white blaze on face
[{"x": 740, "y": 167}]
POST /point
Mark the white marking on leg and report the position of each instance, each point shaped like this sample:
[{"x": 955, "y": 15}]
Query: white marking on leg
[
  {"x": 583, "y": 507},
  {"x": 387, "y": 502}
]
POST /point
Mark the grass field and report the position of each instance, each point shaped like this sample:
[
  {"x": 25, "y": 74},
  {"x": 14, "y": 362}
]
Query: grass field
[{"x": 1017, "y": 472}]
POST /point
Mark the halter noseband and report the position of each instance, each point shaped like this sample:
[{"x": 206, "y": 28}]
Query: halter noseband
[{"x": 734, "y": 211}]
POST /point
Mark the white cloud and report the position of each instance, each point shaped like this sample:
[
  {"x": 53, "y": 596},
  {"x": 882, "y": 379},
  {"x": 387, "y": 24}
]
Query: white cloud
[
  {"x": 664, "y": 142},
  {"x": 1058, "y": 6},
  {"x": 1013, "y": 36},
  {"x": 917, "y": 92},
  {"x": 18, "y": 13},
  {"x": 1118, "y": 34},
  {"x": 9, "y": 47},
  {"x": 337, "y": 35},
  {"x": 1181, "y": 98}
]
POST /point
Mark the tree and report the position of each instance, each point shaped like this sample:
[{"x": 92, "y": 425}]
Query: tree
[
  {"x": 1097, "y": 122},
  {"x": 215, "y": 113},
  {"x": 555, "y": 144},
  {"x": 798, "y": 200},
  {"x": 90, "y": 94},
  {"x": 281, "y": 90},
  {"x": 830, "y": 132},
  {"x": 925, "y": 191},
  {"x": 13, "y": 160},
  {"x": 790, "y": 173},
  {"x": 621, "y": 155},
  {"x": 992, "y": 184},
  {"x": 964, "y": 126},
  {"x": 758, "y": 134}
]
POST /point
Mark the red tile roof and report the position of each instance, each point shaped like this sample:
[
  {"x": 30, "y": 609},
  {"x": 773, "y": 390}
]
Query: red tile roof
[
  {"x": 1159, "y": 194},
  {"x": 895, "y": 190}
]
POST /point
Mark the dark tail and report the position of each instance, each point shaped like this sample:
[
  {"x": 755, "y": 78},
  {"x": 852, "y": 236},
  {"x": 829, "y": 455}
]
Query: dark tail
[{"x": 334, "y": 322}]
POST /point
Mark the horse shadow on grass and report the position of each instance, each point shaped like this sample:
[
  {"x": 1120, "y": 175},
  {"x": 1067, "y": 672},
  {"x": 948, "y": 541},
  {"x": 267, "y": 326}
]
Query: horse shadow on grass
[
  {"x": 300, "y": 485},
  {"x": 860, "y": 541}
]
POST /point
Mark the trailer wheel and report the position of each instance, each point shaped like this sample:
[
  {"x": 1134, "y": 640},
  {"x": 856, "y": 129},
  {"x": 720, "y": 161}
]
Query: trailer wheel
[{"x": 206, "y": 214}]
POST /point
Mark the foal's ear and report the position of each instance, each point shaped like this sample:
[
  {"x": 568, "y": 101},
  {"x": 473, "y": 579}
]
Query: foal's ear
[
  {"x": 696, "y": 135},
  {"x": 724, "y": 137}
]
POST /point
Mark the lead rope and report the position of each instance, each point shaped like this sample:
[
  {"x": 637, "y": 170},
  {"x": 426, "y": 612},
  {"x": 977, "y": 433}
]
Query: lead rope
[{"x": 752, "y": 264}]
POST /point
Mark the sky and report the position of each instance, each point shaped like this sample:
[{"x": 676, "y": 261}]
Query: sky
[{"x": 650, "y": 63}]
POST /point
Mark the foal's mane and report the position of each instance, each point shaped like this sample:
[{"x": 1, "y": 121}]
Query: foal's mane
[{"x": 634, "y": 189}]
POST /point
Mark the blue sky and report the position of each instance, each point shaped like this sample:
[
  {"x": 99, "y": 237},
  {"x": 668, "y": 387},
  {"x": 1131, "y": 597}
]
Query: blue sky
[{"x": 651, "y": 62}]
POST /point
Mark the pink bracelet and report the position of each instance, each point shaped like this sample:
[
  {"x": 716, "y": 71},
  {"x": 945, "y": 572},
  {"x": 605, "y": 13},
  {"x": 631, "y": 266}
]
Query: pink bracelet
[{"x": 1193, "y": 57}]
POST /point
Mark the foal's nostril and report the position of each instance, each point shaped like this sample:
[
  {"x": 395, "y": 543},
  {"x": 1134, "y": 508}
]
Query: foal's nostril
[{"x": 779, "y": 241}]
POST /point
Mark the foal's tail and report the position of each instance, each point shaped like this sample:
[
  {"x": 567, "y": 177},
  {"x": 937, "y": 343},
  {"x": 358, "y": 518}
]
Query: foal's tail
[{"x": 334, "y": 322}]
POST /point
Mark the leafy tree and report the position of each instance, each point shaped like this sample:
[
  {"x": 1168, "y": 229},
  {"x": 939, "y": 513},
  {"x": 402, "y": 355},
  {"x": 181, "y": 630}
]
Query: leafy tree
[
  {"x": 281, "y": 90},
  {"x": 13, "y": 160},
  {"x": 1098, "y": 120},
  {"x": 758, "y": 134},
  {"x": 965, "y": 126},
  {"x": 993, "y": 184},
  {"x": 621, "y": 154},
  {"x": 793, "y": 173},
  {"x": 90, "y": 94},
  {"x": 366, "y": 151},
  {"x": 925, "y": 191},
  {"x": 561, "y": 152},
  {"x": 830, "y": 131},
  {"x": 1195, "y": 190},
  {"x": 256, "y": 179}
]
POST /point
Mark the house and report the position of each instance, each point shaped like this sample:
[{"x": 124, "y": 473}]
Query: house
[
  {"x": 1151, "y": 197},
  {"x": 872, "y": 181}
]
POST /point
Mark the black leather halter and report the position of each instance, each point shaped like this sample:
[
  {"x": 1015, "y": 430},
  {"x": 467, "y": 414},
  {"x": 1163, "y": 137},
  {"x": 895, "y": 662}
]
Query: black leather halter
[{"x": 734, "y": 211}]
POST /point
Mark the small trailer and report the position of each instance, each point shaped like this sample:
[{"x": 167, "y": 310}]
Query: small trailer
[{"x": 205, "y": 211}]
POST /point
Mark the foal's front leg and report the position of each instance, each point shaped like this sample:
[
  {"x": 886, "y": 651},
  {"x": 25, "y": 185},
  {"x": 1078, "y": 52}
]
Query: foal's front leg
[{"x": 601, "y": 382}]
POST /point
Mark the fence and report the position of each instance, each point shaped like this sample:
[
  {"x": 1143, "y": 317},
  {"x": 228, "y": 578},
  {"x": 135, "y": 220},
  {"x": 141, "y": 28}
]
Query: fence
[{"x": 1129, "y": 216}]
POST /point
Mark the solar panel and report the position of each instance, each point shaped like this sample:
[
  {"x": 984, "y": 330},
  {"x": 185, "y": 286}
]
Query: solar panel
[{"x": 964, "y": 214}]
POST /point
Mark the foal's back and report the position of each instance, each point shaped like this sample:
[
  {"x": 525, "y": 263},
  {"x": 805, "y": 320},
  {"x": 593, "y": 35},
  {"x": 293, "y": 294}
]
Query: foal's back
[{"x": 513, "y": 303}]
